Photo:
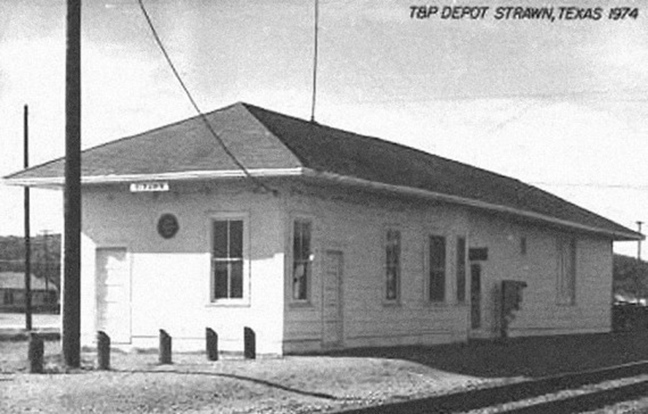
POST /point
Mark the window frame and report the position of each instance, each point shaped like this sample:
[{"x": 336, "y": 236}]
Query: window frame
[
  {"x": 458, "y": 267},
  {"x": 524, "y": 245},
  {"x": 246, "y": 265},
  {"x": 428, "y": 269},
  {"x": 290, "y": 268},
  {"x": 384, "y": 257},
  {"x": 566, "y": 249}
]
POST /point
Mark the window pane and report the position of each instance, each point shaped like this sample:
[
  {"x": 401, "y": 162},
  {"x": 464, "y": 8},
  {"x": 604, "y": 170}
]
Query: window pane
[
  {"x": 567, "y": 271},
  {"x": 437, "y": 286},
  {"x": 297, "y": 241},
  {"x": 236, "y": 239},
  {"x": 220, "y": 280},
  {"x": 305, "y": 241},
  {"x": 220, "y": 239},
  {"x": 437, "y": 268},
  {"x": 392, "y": 284},
  {"x": 236, "y": 279},
  {"x": 300, "y": 277},
  {"x": 392, "y": 264},
  {"x": 301, "y": 259},
  {"x": 301, "y": 240},
  {"x": 437, "y": 252}
]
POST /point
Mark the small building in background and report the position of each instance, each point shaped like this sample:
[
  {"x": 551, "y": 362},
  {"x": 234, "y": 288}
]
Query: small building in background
[{"x": 45, "y": 296}]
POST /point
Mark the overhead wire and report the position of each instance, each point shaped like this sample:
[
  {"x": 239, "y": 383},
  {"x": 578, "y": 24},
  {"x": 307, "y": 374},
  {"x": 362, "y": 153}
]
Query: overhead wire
[
  {"x": 202, "y": 116},
  {"x": 639, "y": 187}
]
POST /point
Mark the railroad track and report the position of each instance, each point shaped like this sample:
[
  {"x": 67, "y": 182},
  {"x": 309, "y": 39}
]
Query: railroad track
[{"x": 565, "y": 393}]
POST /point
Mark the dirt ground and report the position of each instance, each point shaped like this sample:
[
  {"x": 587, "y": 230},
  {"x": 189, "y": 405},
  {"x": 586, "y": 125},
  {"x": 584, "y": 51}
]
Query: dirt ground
[
  {"x": 295, "y": 384},
  {"x": 137, "y": 383}
]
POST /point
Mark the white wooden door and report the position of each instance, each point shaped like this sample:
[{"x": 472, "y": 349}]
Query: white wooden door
[
  {"x": 113, "y": 294},
  {"x": 332, "y": 298}
]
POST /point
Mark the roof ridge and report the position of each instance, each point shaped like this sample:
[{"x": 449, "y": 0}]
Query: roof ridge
[
  {"x": 267, "y": 128},
  {"x": 376, "y": 139}
]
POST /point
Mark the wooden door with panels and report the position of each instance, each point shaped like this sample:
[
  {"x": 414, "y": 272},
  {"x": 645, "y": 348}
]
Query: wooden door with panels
[{"x": 113, "y": 302}]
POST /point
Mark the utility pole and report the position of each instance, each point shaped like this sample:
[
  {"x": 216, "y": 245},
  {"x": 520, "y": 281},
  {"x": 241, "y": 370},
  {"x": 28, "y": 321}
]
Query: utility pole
[
  {"x": 316, "y": 25},
  {"x": 28, "y": 295},
  {"x": 639, "y": 223},
  {"x": 71, "y": 335}
]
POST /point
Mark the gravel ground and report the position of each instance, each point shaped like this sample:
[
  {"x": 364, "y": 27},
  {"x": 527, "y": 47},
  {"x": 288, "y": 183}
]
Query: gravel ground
[
  {"x": 303, "y": 384},
  {"x": 192, "y": 385},
  {"x": 637, "y": 406}
]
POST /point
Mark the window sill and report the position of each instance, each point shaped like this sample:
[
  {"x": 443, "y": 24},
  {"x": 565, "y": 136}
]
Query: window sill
[
  {"x": 305, "y": 304},
  {"x": 232, "y": 303},
  {"x": 392, "y": 304},
  {"x": 441, "y": 305}
]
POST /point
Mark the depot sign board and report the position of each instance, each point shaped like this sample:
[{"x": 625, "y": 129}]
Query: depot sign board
[{"x": 149, "y": 187}]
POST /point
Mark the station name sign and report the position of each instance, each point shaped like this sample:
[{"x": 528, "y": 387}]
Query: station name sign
[{"x": 149, "y": 187}]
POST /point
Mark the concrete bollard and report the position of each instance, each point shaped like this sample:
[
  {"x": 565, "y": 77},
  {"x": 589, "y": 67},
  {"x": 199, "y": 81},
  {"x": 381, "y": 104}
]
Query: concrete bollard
[
  {"x": 35, "y": 353},
  {"x": 165, "y": 347},
  {"x": 211, "y": 338},
  {"x": 249, "y": 343},
  {"x": 103, "y": 351}
]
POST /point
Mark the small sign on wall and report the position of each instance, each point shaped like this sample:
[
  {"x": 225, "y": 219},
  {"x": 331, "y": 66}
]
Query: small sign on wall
[
  {"x": 167, "y": 226},
  {"x": 149, "y": 187}
]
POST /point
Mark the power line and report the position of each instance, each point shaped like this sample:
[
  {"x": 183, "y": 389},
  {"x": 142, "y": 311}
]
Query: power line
[
  {"x": 593, "y": 185},
  {"x": 195, "y": 105}
]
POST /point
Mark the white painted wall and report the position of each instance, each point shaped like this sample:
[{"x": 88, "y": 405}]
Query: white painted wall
[
  {"x": 170, "y": 279},
  {"x": 541, "y": 314},
  {"x": 355, "y": 224}
]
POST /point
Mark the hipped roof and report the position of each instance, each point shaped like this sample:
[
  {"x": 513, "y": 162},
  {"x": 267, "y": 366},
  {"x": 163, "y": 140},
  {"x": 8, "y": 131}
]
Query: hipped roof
[{"x": 268, "y": 143}]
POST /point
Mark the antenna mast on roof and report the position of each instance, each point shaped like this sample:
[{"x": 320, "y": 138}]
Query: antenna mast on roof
[{"x": 315, "y": 62}]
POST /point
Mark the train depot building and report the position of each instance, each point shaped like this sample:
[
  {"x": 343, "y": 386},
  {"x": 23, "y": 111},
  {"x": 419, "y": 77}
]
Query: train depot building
[{"x": 326, "y": 239}]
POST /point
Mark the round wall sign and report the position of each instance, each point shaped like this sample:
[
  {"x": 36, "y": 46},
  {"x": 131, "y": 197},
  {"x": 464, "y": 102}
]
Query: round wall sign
[{"x": 168, "y": 226}]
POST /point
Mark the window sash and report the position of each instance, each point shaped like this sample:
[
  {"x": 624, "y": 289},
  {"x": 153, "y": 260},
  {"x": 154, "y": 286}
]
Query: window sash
[
  {"x": 227, "y": 259},
  {"x": 567, "y": 272},
  {"x": 461, "y": 269},
  {"x": 301, "y": 268},
  {"x": 392, "y": 265},
  {"x": 436, "y": 268}
]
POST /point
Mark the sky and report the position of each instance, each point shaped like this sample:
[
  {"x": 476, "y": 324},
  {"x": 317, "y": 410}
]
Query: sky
[{"x": 557, "y": 103}]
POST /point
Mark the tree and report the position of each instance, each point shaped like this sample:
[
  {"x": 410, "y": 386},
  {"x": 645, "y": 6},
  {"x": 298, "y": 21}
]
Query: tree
[
  {"x": 45, "y": 256},
  {"x": 630, "y": 277}
]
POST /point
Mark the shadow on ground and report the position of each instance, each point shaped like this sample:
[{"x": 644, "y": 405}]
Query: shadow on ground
[{"x": 533, "y": 357}]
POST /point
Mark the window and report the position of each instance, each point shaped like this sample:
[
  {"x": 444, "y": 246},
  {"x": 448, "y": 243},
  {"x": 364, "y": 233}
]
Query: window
[
  {"x": 436, "y": 264},
  {"x": 566, "y": 271},
  {"x": 392, "y": 265},
  {"x": 461, "y": 269},
  {"x": 301, "y": 259},
  {"x": 523, "y": 245},
  {"x": 227, "y": 259}
]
